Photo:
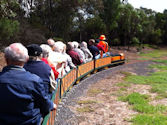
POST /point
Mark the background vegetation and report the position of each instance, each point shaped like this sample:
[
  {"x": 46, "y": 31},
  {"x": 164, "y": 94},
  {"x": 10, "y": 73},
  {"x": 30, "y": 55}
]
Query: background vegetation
[{"x": 34, "y": 21}]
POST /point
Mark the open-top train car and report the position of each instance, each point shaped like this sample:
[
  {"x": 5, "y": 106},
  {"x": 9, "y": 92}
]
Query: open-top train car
[{"x": 73, "y": 77}]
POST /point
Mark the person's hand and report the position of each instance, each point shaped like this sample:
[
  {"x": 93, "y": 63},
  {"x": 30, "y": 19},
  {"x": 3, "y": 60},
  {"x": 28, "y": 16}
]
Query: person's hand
[{"x": 54, "y": 106}]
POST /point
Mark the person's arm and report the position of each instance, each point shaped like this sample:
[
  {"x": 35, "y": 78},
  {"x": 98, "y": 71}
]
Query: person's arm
[
  {"x": 70, "y": 63},
  {"x": 41, "y": 99},
  {"x": 89, "y": 54}
]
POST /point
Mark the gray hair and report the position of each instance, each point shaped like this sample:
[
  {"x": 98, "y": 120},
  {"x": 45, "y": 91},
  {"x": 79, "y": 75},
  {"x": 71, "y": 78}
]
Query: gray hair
[
  {"x": 16, "y": 52},
  {"x": 46, "y": 49},
  {"x": 59, "y": 46},
  {"x": 84, "y": 44},
  {"x": 75, "y": 44}
]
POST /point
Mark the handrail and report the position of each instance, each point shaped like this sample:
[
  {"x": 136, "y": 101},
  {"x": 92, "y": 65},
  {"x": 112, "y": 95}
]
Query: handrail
[{"x": 67, "y": 81}]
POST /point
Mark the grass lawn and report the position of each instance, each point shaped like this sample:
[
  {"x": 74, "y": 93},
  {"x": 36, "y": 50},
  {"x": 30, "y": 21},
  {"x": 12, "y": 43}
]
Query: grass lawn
[{"x": 148, "y": 114}]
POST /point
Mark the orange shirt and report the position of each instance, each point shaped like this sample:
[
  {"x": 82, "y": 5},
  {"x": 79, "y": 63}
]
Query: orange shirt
[{"x": 104, "y": 45}]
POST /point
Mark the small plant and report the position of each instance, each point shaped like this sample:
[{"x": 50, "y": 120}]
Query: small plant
[
  {"x": 123, "y": 84},
  {"x": 86, "y": 102},
  {"x": 85, "y": 109},
  {"x": 126, "y": 73},
  {"x": 123, "y": 89},
  {"x": 94, "y": 91}
]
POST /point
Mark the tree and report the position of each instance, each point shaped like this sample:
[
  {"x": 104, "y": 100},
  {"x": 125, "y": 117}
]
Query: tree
[
  {"x": 110, "y": 15},
  {"x": 9, "y": 26}
]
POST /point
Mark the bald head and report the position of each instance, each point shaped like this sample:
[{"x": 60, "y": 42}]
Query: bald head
[
  {"x": 51, "y": 42},
  {"x": 16, "y": 53}
]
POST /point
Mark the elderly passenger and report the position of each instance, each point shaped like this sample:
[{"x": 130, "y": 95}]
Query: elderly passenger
[
  {"x": 69, "y": 63},
  {"x": 76, "y": 48},
  {"x": 57, "y": 58},
  {"x": 93, "y": 49},
  {"x": 46, "y": 49},
  {"x": 75, "y": 57},
  {"x": 88, "y": 54},
  {"x": 51, "y": 43},
  {"x": 38, "y": 67},
  {"x": 22, "y": 94}
]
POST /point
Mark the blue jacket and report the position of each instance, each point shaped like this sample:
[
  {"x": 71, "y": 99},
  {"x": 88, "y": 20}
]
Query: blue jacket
[
  {"x": 22, "y": 97},
  {"x": 94, "y": 50},
  {"x": 41, "y": 69}
]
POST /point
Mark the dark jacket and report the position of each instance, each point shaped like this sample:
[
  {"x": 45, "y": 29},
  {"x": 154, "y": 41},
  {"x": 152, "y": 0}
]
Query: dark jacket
[
  {"x": 41, "y": 69},
  {"x": 23, "y": 98},
  {"x": 94, "y": 50},
  {"x": 75, "y": 57}
]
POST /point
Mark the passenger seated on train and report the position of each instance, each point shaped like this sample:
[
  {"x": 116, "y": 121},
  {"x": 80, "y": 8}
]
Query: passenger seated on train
[
  {"x": 22, "y": 94},
  {"x": 38, "y": 67},
  {"x": 46, "y": 49},
  {"x": 75, "y": 57},
  {"x": 88, "y": 54},
  {"x": 51, "y": 43},
  {"x": 102, "y": 42},
  {"x": 75, "y": 46},
  {"x": 93, "y": 49},
  {"x": 57, "y": 58},
  {"x": 69, "y": 63},
  {"x": 101, "y": 49}
]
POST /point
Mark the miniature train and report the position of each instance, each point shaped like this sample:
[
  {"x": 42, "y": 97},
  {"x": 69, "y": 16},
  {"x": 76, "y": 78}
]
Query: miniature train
[{"x": 75, "y": 75}]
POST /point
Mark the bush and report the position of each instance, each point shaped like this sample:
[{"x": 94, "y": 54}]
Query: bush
[{"x": 8, "y": 28}]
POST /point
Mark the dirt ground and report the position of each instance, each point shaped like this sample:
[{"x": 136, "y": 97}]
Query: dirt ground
[{"x": 99, "y": 104}]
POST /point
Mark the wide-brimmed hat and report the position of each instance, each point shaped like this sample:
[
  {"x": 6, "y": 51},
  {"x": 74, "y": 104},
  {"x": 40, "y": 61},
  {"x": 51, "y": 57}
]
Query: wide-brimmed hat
[{"x": 102, "y": 37}]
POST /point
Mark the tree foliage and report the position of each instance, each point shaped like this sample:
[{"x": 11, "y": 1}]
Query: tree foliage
[{"x": 32, "y": 21}]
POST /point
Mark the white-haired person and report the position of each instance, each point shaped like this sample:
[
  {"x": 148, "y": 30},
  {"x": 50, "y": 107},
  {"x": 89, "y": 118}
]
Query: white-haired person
[
  {"x": 22, "y": 94},
  {"x": 57, "y": 58},
  {"x": 88, "y": 54},
  {"x": 76, "y": 48},
  {"x": 46, "y": 49},
  {"x": 37, "y": 66}
]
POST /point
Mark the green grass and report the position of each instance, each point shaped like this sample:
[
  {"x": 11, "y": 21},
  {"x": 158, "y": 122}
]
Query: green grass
[
  {"x": 123, "y": 84},
  {"x": 151, "y": 115},
  {"x": 141, "y": 104},
  {"x": 157, "y": 80},
  {"x": 135, "y": 98},
  {"x": 136, "y": 79},
  {"x": 154, "y": 54},
  {"x": 160, "y": 61},
  {"x": 149, "y": 109},
  {"x": 145, "y": 119},
  {"x": 158, "y": 66}
]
